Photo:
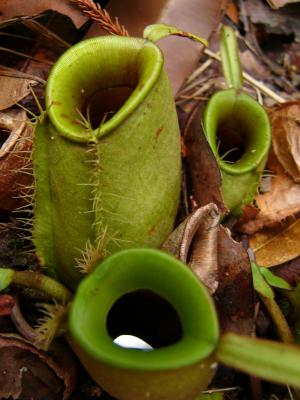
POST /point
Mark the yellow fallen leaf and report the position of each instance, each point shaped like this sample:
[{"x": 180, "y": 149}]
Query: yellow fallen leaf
[
  {"x": 280, "y": 3},
  {"x": 276, "y": 246}
]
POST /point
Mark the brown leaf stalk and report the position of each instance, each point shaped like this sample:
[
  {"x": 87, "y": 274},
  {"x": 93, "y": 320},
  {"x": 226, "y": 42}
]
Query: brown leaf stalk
[{"x": 101, "y": 16}]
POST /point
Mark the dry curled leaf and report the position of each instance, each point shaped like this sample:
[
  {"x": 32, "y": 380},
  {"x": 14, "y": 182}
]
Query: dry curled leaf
[
  {"x": 195, "y": 242},
  {"x": 18, "y": 8},
  {"x": 15, "y": 158},
  {"x": 276, "y": 246},
  {"x": 28, "y": 373},
  {"x": 286, "y": 138}
]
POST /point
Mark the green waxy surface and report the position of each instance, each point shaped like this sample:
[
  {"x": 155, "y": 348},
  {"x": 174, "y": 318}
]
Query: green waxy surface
[{"x": 114, "y": 185}]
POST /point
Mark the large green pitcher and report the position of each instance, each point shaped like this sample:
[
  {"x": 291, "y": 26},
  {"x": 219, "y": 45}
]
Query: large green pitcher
[{"x": 106, "y": 156}]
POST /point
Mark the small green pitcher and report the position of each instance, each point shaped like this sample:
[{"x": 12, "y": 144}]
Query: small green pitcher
[{"x": 238, "y": 131}]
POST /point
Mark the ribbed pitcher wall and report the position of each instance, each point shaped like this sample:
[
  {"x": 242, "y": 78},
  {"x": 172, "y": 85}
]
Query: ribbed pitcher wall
[{"x": 106, "y": 157}]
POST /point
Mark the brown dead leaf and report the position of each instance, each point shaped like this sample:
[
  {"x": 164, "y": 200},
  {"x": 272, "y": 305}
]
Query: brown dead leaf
[
  {"x": 276, "y": 205},
  {"x": 17, "y": 8},
  {"x": 28, "y": 373},
  {"x": 286, "y": 138},
  {"x": 235, "y": 295},
  {"x": 274, "y": 247},
  {"x": 289, "y": 271},
  {"x": 13, "y": 90},
  {"x": 202, "y": 166},
  {"x": 253, "y": 65},
  {"x": 195, "y": 242},
  {"x": 16, "y": 135},
  {"x": 284, "y": 21}
]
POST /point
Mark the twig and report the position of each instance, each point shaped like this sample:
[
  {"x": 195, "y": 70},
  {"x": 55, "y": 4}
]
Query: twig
[
  {"x": 45, "y": 32},
  {"x": 259, "y": 85},
  {"x": 7, "y": 71},
  {"x": 101, "y": 16},
  {"x": 221, "y": 390},
  {"x": 19, "y": 53},
  {"x": 200, "y": 70}
]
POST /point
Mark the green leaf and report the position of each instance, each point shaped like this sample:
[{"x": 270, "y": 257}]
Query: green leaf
[
  {"x": 260, "y": 285},
  {"x": 6, "y": 277},
  {"x": 156, "y": 32},
  {"x": 266, "y": 359},
  {"x": 274, "y": 280},
  {"x": 230, "y": 58}
]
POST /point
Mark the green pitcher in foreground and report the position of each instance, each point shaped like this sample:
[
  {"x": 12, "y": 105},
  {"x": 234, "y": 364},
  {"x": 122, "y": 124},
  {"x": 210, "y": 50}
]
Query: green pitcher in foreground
[
  {"x": 155, "y": 298},
  {"x": 106, "y": 156},
  {"x": 151, "y": 295}
]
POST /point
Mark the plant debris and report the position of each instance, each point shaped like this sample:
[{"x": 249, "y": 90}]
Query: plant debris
[
  {"x": 16, "y": 135},
  {"x": 194, "y": 242},
  {"x": 26, "y": 372},
  {"x": 286, "y": 138},
  {"x": 14, "y": 9}
]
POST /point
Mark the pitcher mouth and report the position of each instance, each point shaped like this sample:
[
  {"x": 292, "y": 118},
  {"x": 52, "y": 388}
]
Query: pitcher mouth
[
  {"x": 129, "y": 66},
  {"x": 238, "y": 131},
  {"x": 152, "y": 277}
]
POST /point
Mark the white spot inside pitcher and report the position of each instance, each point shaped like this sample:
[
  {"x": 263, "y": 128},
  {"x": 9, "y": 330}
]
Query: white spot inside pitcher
[
  {"x": 132, "y": 342},
  {"x": 213, "y": 365}
]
